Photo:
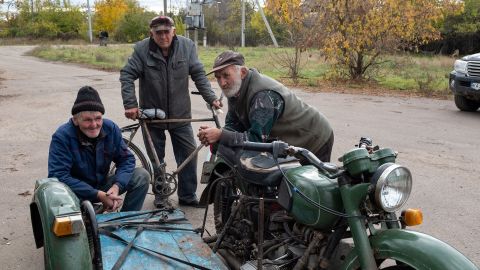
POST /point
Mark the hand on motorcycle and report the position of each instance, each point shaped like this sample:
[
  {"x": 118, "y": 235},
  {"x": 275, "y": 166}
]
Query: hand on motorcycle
[
  {"x": 208, "y": 135},
  {"x": 111, "y": 200}
]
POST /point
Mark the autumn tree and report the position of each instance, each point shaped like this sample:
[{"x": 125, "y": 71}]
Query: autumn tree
[
  {"x": 356, "y": 32},
  {"x": 298, "y": 26},
  {"x": 223, "y": 22},
  {"x": 109, "y": 13}
]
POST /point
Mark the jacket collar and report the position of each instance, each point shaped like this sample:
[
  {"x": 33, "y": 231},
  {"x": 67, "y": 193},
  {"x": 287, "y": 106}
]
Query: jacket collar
[{"x": 155, "y": 50}]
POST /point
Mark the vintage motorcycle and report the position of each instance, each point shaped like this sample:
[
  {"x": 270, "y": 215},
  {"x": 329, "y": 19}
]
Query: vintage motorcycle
[{"x": 273, "y": 212}]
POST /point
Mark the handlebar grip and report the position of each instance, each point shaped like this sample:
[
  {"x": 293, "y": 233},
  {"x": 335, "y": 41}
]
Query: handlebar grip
[
  {"x": 276, "y": 148},
  {"x": 258, "y": 147}
]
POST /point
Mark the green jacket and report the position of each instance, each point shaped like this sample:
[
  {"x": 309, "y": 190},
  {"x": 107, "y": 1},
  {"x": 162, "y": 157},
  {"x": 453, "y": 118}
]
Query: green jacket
[
  {"x": 164, "y": 83},
  {"x": 299, "y": 124}
]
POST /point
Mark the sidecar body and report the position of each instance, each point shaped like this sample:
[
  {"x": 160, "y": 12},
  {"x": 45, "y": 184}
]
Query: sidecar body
[{"x": 73, "y": 237}]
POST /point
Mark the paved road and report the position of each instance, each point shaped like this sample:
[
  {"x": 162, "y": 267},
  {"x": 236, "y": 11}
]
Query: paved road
[{"x": 438, "y": 143}]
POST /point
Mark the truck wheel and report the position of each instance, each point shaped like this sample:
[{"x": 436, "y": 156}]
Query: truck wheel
[{"x": 465, "y": 104}]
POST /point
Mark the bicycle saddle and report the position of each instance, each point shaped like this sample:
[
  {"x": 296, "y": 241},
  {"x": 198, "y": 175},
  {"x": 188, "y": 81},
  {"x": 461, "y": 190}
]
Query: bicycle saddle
[{"x": 152, "y": 114}]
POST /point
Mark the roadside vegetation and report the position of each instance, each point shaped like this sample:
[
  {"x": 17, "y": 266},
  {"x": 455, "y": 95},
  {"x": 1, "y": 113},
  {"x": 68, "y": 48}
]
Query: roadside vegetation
[
  {"x": 399, "y": 46},
  {"x": 403, "y": 73}
]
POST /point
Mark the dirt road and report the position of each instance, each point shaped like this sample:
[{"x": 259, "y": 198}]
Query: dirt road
[{"x": 438, "y": 143}]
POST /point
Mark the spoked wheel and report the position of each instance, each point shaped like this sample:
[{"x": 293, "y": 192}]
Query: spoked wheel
[
  {"x": 224, "y": 201},
  {"x": 91, "y": 226}
]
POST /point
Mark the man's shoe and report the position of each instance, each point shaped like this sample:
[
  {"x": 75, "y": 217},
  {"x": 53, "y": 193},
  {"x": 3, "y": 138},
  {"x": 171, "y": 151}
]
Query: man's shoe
[
  {"x": 192, "y": 203},
  {"x": 162, "y": 202}
]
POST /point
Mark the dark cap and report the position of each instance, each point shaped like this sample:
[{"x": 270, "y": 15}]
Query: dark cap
[
  {"x": 161, "y": 23},
  {"x": 227, "y": 58},
  {"x": 87, "y": 100}
]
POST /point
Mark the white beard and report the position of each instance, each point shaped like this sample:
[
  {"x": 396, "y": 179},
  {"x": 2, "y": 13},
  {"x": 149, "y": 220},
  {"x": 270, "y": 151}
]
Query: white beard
[{"x": 235, "y": 88}]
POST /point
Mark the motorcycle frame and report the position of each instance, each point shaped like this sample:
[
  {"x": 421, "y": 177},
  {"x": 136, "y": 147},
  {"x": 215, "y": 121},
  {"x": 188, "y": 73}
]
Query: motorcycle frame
[{"x": 391, "y": 242}]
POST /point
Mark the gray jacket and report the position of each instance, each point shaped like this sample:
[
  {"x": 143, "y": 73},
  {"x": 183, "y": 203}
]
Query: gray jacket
[{"x": 164, "y": 83}]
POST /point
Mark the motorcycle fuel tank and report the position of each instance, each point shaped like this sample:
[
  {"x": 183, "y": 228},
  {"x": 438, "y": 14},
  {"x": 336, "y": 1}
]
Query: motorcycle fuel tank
[{"x": 305, "y": 188}]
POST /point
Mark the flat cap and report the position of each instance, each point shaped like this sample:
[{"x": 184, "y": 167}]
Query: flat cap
[
  {"x": 161, "y": 23},
  {"x": 227, "y": 58}
]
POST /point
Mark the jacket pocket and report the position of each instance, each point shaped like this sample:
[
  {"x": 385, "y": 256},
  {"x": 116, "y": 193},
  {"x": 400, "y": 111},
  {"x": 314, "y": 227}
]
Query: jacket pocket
[{"x": 180, "y": 69}]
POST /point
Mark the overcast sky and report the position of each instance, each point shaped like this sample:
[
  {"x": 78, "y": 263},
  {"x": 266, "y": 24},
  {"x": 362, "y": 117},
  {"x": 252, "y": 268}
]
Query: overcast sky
[{"x": 152, "y": 5}]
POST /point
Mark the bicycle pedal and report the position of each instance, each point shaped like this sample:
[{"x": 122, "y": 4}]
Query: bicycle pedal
[{"x": 162, "y": 202}]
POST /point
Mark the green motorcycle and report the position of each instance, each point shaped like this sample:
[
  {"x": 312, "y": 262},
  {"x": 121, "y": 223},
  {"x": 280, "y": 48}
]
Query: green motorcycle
[{"x": 277, "y": 206}]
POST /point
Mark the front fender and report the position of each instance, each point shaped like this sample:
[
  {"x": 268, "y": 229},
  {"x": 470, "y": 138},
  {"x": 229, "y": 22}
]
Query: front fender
[
  {"x": 419, "y": 250},
  {"x": 52, "y": 198}
]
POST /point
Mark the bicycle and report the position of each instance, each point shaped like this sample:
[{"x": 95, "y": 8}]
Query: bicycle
[{"x": 163, "y": 183}]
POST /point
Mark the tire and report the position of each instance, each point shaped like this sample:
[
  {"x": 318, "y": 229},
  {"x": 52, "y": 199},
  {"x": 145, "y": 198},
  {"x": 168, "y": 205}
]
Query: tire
[
  {"x": 465, "y": 104},
  {"x": 223, "y": 202},
  {"x": 141, "y": 159},
  {"x": 393, "y": 265},
  {"x": 399, "y": 267}
]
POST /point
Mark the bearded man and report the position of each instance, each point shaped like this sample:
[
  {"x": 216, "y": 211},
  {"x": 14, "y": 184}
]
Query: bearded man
[{"x": 264, "y": 110}]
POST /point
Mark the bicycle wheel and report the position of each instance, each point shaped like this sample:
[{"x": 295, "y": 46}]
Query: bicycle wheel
[{"x": 141, "y": 159}]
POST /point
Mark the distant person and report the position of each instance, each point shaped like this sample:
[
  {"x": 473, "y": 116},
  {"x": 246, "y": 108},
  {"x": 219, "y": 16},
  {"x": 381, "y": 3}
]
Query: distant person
[
  {"x": 82, "y": 151},
  {"x": 261, "y": 109},
  {"x": 103, "y": 36},
  {"x": 163, "y": 63}
]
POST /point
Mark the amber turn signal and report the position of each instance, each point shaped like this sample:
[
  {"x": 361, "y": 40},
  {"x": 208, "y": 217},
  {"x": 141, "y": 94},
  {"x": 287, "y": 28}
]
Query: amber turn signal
[
  {"x": 412, "y": 217},
  {"x": 67, "y": 225}
]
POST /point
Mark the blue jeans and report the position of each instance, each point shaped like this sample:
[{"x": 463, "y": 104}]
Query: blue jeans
[
  {"x": 136, "y": 189},
  {"x": 183, "y": 144}
]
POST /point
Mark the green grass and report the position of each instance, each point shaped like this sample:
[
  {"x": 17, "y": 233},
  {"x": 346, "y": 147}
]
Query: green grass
[{"x": 424, "y": 75}]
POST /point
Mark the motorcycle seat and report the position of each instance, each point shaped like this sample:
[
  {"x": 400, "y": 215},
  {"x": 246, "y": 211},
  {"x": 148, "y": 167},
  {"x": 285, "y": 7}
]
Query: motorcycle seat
[{"x": 262, "y": 169}]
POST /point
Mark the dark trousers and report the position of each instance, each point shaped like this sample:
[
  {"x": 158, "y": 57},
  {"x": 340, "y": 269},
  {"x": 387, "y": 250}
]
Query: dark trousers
[{"x": 183, "y": 144}]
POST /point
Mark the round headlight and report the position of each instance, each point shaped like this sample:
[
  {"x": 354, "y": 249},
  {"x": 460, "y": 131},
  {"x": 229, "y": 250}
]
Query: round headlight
[{"x": 393, "y": 184}]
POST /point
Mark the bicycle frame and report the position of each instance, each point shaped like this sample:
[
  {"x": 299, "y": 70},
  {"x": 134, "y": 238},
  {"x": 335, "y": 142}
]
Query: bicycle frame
[{"x": 158, "y": 166}]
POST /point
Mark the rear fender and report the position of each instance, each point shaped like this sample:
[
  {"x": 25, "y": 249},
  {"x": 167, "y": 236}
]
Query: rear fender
[
  {"x": 421, "y": 251},
  {"x": 50, "y": 199}
]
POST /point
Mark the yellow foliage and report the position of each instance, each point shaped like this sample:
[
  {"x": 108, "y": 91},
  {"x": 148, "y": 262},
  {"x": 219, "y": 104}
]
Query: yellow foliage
[{"x": 108, "y": 14}]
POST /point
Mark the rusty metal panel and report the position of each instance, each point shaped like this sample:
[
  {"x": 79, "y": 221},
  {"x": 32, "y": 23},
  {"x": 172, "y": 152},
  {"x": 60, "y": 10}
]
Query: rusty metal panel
[{"x": 185, "y": 245}]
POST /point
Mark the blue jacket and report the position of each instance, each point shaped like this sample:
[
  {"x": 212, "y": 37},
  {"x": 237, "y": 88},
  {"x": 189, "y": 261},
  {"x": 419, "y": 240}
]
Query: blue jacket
[{"x": 83, "y": 168}]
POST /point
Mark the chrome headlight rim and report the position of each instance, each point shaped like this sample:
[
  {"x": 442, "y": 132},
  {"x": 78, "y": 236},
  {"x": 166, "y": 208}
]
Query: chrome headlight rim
[{"x": 379, "y": 179}]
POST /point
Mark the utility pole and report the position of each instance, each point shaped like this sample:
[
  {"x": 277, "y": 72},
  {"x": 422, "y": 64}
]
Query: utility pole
[
  {"x": 89, "y": 22},
  {"x": 165, "y": 7},
  {"x": 243, "y": 23},
  {"x": 267, "y": 25}
]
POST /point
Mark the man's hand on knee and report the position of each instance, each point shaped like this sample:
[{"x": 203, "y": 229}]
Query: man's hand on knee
[{"x": 111, "y": 200}]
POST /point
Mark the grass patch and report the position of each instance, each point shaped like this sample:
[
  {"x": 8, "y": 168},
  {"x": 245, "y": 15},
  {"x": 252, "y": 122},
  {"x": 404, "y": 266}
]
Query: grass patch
[{"x": 407, "y": 73}]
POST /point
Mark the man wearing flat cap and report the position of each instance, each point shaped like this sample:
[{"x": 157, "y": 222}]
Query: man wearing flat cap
[
  {"x": 81, "y": 153},
  {"x": 260, "y": 109},
  {"x": 163, "y": 63}
]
